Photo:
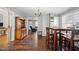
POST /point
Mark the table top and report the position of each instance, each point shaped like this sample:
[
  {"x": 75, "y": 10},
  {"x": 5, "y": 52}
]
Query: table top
[
  {"x": 63, "y": 29},
  {"x": 2, "y": 28}
]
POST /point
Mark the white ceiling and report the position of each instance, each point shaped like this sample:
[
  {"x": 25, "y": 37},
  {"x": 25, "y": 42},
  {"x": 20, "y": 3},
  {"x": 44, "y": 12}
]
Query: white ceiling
[{"x": 30, "y": 11}]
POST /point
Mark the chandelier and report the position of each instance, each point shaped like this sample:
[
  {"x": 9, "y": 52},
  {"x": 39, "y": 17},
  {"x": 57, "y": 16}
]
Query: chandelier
[{"x": 38, "y": 13}]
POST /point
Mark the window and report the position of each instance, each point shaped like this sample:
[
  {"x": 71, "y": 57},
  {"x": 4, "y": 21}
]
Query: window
[
  {"x": 54, "y": 21},
  {"x": 51, "y": 22}
]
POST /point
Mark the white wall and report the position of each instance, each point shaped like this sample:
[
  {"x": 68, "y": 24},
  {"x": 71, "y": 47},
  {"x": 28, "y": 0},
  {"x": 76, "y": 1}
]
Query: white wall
[
  {"x": 70, "y": 18},
  {"x": 40, "y": 23},
  {"x": 60, "y": 21},
  {"x": 45, "y": 23},
  {"x": 9, "y": 20},
  {"x": 4, "y": 12}
]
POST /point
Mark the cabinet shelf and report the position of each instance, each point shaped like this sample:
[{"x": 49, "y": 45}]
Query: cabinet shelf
[{"x": 21, "y": 30}]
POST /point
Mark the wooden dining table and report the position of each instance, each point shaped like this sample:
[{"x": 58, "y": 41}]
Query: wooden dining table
[{"x": 63, "y": 34}]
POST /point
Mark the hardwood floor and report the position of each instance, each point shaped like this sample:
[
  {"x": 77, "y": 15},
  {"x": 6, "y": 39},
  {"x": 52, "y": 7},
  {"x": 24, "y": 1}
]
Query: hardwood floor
[
  {"x": 30, "y": 43},
  {"x": 3, "y": 42},
  {"x": 42, "y": 44}
]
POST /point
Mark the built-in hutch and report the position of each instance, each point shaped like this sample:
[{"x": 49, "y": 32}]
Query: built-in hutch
[{"x": 20, "y": 28}]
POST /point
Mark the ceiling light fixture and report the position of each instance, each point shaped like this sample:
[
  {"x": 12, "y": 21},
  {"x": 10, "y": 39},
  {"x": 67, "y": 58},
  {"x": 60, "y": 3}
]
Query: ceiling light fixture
[{"x": 38, "y": 13}]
